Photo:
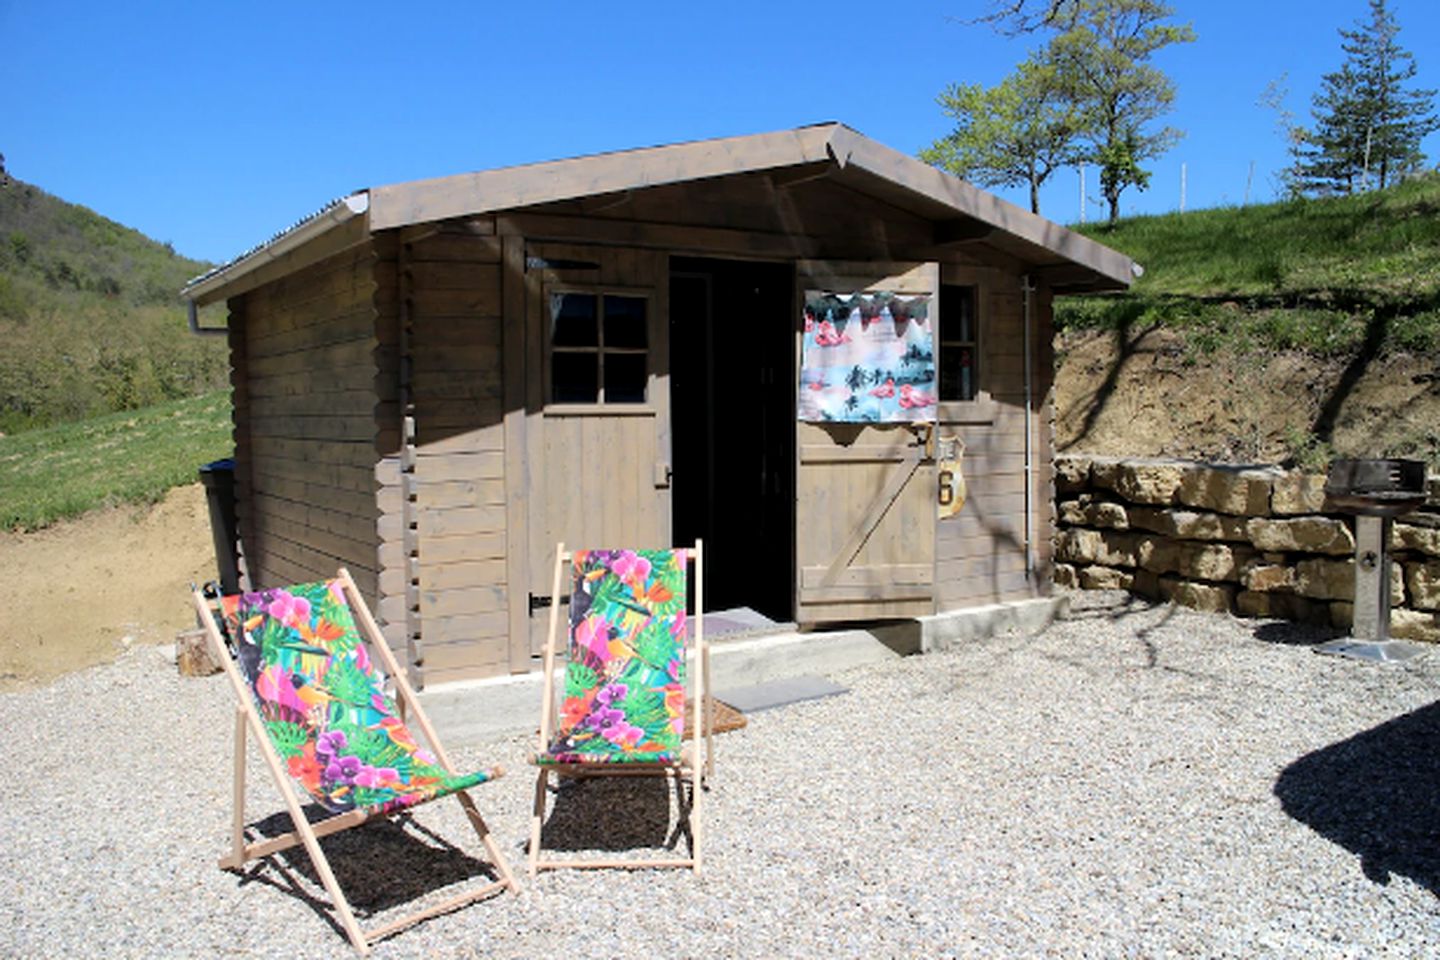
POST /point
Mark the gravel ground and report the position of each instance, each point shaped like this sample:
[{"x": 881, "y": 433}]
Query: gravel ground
[{"x": 1136, "y": 781}]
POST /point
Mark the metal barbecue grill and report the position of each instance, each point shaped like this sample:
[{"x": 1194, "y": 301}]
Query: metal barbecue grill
[{"x": 1375, "y": 491}]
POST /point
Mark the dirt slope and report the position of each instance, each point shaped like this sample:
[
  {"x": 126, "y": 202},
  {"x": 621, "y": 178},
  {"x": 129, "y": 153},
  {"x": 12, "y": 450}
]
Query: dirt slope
[
  {"x": 77, "y": 593},
  {"x": 1151, "y": 397}
]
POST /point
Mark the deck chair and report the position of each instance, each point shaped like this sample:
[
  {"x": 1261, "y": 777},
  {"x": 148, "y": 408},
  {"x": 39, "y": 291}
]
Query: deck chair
[
  {"x": 306, "y": 665},
  {"x": 625, "y": 684}
]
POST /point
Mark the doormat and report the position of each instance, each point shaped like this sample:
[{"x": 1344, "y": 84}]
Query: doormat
[
  {"x": 725, "y": 716},
  {"x": 780, "y": 693}
]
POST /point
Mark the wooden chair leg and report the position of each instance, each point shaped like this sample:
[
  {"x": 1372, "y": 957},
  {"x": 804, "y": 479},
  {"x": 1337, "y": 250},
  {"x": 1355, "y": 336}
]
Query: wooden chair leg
[
  {"x": 697, "y": 791},
  {"x": 710, "y": 711},
  {"x": 332, "y": 886},
  {"x": 497, "y": 857},
  {"x": 236, "y": 858},
  {"x": 542, "y": 783}
]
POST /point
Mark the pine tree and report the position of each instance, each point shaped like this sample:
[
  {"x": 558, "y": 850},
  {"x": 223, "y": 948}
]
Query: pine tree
[{"x": 1366, "y": 123}]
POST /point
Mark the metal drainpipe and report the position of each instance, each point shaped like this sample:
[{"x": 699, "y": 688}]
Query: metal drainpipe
[
  {"x": 1027, "y": 289},
  {"x": 193, "y": 314}
]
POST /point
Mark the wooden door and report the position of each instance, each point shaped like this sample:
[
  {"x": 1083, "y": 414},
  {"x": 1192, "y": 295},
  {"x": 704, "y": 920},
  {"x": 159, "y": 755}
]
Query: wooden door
[
  {"x": 599, "y": 446},
  {"x": 865, "y": 507}
]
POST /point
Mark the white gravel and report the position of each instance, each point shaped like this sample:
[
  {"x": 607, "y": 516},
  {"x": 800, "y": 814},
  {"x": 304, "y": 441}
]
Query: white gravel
[{"x": 1138, "y": 781}]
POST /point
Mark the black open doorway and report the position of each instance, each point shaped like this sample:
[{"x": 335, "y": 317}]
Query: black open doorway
[{"x": 732, "y": 395}]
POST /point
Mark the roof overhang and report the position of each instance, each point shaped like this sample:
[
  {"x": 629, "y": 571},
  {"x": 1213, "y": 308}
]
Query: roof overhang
[
  {"x": 958, "y": 208},
  {"x": 317, "y": 236}
]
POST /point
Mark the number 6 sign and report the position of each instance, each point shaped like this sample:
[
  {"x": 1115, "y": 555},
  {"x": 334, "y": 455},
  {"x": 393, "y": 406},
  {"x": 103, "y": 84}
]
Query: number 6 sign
[{"x": 950, "y": 493}]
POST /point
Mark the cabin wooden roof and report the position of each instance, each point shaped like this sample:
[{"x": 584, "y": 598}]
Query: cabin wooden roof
[{"x": 891, "y": 204}]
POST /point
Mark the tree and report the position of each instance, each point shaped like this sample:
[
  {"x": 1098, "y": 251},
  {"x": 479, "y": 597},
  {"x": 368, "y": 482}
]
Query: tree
[
  {"x": 1332, "y": 157},
  {"x": 1020, "y": 131},
  {"x": 1014, "y": 17},
  {"x": 1103, "y": 53},
  {"x": 1273, "y": 97},
  {"x": 1365, "y": 119}
]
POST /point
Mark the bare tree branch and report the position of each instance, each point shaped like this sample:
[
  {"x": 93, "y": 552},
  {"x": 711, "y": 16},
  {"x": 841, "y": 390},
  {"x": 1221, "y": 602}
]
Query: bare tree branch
[{"x": 1015, "y": 17}]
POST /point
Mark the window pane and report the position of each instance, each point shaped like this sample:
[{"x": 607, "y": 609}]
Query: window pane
[
  {"x": 624, "y": 378},
  {"x": 575, "y": 377},
  {"x": 625, "y": 322},
  {"x": 572, "y": 320},
  {"x": 957, "y": 373},
  {"x": 965, "y": 330},
  {"x": 957, "y": 314},
  {"x": 959, "y": 377}
]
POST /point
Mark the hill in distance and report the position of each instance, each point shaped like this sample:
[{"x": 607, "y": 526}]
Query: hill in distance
[{"x": 89, "y": 315}]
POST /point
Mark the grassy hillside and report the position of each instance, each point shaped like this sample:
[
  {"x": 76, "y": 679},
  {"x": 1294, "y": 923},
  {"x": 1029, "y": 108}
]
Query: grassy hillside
[
  {"x": 1316, "y": 275},
  {"x": 89, "y": 316},
  {"x": 1289, "y": 331},
  {"x": 52, "y": 473}
]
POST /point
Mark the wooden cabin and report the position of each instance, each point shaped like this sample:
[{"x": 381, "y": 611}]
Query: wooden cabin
[{"x": 436, "y": 381}]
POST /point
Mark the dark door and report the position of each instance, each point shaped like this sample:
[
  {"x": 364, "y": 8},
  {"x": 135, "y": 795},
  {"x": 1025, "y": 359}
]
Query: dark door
[{"x": 732, "y": 341}]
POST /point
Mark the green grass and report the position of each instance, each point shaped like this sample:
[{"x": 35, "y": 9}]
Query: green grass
[
  {"x": 1318, "y": 276},
  {"x": 1380, "y": 246},
  {"x": 63, "y": 471}
]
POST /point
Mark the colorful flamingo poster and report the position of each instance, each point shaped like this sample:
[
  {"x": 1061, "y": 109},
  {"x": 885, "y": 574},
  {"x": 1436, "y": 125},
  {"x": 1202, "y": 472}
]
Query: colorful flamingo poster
[{"x": 867, "y": 358}]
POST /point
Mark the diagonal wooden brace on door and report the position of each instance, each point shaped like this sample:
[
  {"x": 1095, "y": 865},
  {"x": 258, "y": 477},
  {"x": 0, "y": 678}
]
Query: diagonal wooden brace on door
[{"x": 894, "y": 483}]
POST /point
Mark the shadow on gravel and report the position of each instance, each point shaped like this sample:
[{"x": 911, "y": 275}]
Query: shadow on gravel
[
  {"x": 616, "y": 814},
  {"x": 1376, "y": 794},
  {"x": 384, "y": 864},
  {"x": 1296, "y": 634}
]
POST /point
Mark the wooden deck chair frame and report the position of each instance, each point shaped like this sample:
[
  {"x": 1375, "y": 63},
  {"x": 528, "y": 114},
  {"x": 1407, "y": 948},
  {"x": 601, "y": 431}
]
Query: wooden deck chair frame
[
  {"x": 695, "y": 764},
  {"x": 308, "y": 834}
]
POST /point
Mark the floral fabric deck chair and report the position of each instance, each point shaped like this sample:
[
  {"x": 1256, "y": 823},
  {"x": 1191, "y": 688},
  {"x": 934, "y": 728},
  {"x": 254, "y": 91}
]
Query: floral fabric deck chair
[
  {"x": 624, "y": 708},
  {"x": 309, "y": 688}
]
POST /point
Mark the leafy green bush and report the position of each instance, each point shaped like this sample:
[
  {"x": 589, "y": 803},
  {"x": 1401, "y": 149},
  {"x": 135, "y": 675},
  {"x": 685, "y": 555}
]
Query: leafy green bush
[{"x": 90, "y": 316}]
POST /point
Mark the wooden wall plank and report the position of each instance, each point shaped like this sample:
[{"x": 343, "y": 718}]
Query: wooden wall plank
[
  {"x": 486, "y": 439},
  {"x": 460, "y": 575},
  {"x": 308, "y": 452},
  {"x": 483, "y": 465},
  {"x": 486, "y": 656},
  {"x": 441, "y": 494},
  {"x": 480, "y": 546},
  {"x": 465, "y": 628},
  {"x": 489, "y": 598}
]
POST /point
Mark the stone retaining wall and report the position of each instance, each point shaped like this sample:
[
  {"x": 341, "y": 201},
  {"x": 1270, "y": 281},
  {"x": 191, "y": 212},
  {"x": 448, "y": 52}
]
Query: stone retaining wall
[{"x": 1253, "y": 541}]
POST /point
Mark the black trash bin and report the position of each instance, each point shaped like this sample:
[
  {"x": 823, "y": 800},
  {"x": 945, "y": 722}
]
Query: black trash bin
[{"x": 219, "y": 480}]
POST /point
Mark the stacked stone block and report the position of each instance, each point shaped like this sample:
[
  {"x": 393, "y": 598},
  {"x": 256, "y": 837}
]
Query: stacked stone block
[{"x": 1253, "y": 541}]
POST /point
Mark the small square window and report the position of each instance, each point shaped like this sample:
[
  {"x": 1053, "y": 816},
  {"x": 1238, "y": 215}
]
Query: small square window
[{"x": 598, "y": 348}]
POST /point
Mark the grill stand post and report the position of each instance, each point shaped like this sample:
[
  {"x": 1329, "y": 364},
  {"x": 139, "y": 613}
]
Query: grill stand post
[{"x": 1370, "y": 630}]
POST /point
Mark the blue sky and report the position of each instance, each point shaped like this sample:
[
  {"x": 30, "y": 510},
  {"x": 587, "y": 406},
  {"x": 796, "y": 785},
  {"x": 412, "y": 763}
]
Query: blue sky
[{"x": 212, "y": 126}]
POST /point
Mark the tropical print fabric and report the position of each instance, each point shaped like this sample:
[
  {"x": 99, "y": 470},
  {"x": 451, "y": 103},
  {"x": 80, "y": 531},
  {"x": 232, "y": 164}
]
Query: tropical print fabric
[
  {"x": 867, "y": 358},
  {"x": 324, "y": 705},
  {"x": 625, "y": 680}
]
